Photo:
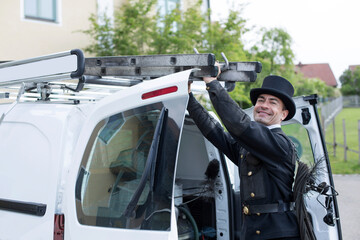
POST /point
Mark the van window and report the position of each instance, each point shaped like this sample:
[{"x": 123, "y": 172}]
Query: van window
[
  {"x": 299, "y": 136},
  {"x": 108, "y": 191}
]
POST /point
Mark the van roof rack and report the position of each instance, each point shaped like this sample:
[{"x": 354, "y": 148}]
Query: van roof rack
[{"x": 43, "y": 73}]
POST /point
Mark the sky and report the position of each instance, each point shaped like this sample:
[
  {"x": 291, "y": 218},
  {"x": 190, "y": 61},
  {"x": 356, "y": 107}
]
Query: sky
[{"x": 323, "y": 31}]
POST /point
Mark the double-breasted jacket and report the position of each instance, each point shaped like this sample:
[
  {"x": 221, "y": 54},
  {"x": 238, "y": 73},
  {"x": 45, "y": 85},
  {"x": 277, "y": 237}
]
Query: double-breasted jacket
[{"x": 266, "y": 161}]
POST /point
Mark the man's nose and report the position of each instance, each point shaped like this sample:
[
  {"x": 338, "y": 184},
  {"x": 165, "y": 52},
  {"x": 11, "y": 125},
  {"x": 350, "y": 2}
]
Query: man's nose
[{"x": 264, "y": 104}]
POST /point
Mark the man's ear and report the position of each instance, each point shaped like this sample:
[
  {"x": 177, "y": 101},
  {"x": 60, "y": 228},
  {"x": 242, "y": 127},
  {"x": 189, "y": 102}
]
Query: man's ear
[{"x": 284, "y": 114}]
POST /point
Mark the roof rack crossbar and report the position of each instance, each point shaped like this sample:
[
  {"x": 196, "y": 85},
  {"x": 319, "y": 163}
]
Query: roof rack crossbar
[
  {"x": 110, "y": 81},
  {"x": 58, "y": 66}
]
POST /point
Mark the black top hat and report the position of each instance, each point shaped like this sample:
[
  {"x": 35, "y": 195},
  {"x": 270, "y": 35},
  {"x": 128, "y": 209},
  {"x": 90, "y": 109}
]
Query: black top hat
[{"x": 279, "y": 87}]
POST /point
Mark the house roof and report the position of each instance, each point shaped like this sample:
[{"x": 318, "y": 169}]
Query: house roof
[{"x": 318, "y": 70}]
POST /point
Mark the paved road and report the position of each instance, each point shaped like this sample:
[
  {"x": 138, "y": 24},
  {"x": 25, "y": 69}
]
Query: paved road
[{"x": 348, "y": 187}]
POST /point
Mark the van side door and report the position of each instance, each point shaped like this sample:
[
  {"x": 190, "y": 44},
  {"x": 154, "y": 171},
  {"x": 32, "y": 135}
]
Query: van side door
[
  {"x": 121, "y": 186},
  {"x": 306, "y": 133}
]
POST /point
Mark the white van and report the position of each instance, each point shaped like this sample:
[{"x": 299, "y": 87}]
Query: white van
[{"x": 126, "y": 162}]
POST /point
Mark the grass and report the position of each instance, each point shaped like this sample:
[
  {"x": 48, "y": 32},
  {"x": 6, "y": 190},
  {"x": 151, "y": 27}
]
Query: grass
[{"x": 338, "y": 164}]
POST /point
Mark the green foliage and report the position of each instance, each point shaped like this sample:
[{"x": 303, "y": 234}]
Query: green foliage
[
  {"x": 164, "y": 34},
  {"x": 306, "y": 86},
  {"x": 226, "y": 37},
  {"x": 241, "y": 95},
  {"x": 275, "y": 46},
  {"x": 350, "y": 82},
  {"x": 137, "y": 30},
  {"x": 178, "y": 32},
  {"x": 130, "y": 34},
  {"x": 102, "y": 36},
  {"x": 189, "y": 33},
  {"x": 133, "y": 27}
]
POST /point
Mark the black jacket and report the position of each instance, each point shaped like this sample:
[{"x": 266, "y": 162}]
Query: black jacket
[{"x": 266, "y": 161}]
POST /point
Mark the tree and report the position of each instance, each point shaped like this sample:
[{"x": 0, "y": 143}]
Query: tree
[
  {"x": 350, "y": 82},
  {"x": 133, "y": 27},
  {"x": 275, "y": 53},
  {"x": 102, "y": 35},
  {"x": 241, "y": 95},
  {"x": 227, "y": 37},
  {"x": 307, "y": 86},
  {"x": 130, "y": 34},
  {"x": 136, "y": 30},
  {"x": 178, "y": 31},
  {"x": 275, "y": 46}
]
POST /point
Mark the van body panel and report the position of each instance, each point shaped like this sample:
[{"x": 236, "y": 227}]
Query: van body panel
[
  {"x": 31, "y": 159},
  {"x": 122, "y": 102}
]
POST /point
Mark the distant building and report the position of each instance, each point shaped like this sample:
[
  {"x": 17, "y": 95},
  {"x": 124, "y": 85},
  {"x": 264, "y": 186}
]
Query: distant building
[
  {"x": 352, "y": 67},
  {"x": 31, "y": 28},
  {"x": 318, "y": 70}
]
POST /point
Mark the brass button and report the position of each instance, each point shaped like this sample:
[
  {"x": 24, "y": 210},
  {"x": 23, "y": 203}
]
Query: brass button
[
  {"x": 252, "y": 194},
  {"x": 241, "y": 156},
  {"x": 246, "y": 210},
  {"x": 249, "y": 173},
  {"x": 258, "y": 214},
  {"x": 207, "y": 88},
  {"x": 257, "y": 232}
]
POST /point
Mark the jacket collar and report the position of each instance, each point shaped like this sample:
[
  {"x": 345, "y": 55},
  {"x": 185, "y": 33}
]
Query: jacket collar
[{"x": 274, "y": 126}]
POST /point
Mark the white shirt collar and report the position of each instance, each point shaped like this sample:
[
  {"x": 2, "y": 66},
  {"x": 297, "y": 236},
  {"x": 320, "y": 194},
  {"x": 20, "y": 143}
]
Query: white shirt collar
[{"x": 274, "y": 126}]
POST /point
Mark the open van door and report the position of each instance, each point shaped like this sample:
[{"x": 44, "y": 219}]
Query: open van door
[
  {"x": 320, "y": 199},
  {"x": 304, "y": 129},
  {"x": 121, "y": 185}
]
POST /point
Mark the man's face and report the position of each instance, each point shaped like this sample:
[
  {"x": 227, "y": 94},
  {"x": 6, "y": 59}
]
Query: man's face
[{"x": 269, "y": 110}]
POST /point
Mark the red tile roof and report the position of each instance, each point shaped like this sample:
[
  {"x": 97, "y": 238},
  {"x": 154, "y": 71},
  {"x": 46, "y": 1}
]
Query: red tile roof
[{"x": 318, "y": 70}]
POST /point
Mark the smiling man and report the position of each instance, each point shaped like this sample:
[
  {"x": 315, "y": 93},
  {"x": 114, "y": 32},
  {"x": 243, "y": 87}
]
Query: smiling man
[
  {"x": 269, "y": 110},
  {"x": 264, "y": 154}
]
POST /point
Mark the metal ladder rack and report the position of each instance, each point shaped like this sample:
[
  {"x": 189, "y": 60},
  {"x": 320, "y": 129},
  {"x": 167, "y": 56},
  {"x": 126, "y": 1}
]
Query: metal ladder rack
[
  {"x": 40, "y": 74},
  {"x": 153, "y": 66}
]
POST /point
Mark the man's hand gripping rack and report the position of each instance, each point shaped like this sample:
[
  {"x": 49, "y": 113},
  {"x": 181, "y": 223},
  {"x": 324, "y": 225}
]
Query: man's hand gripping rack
[{"x": 39, "y": 74}]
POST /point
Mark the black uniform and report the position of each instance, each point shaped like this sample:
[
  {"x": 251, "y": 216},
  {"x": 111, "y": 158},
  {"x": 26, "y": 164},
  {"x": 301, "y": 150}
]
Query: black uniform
[{"x": 266, "y": 161}]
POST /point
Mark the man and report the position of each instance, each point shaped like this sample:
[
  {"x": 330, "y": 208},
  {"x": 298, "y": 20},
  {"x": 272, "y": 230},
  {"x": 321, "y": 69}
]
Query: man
[{"x": 264, "y": 154}]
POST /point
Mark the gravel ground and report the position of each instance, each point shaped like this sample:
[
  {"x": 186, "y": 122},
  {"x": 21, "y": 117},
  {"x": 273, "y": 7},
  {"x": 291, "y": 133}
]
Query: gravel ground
[{"x": 348, "y": 187}]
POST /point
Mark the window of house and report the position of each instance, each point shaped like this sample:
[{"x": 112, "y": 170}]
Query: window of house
[
  {"x": 44, "y": 10},
  {"x": 166, "y": 6}
]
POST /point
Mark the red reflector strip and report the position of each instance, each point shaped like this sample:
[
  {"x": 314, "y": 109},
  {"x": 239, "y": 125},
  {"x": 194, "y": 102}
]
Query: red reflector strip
[
  {"x": 59, "y": 226},
  {"x": 159, "y": 92}
]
